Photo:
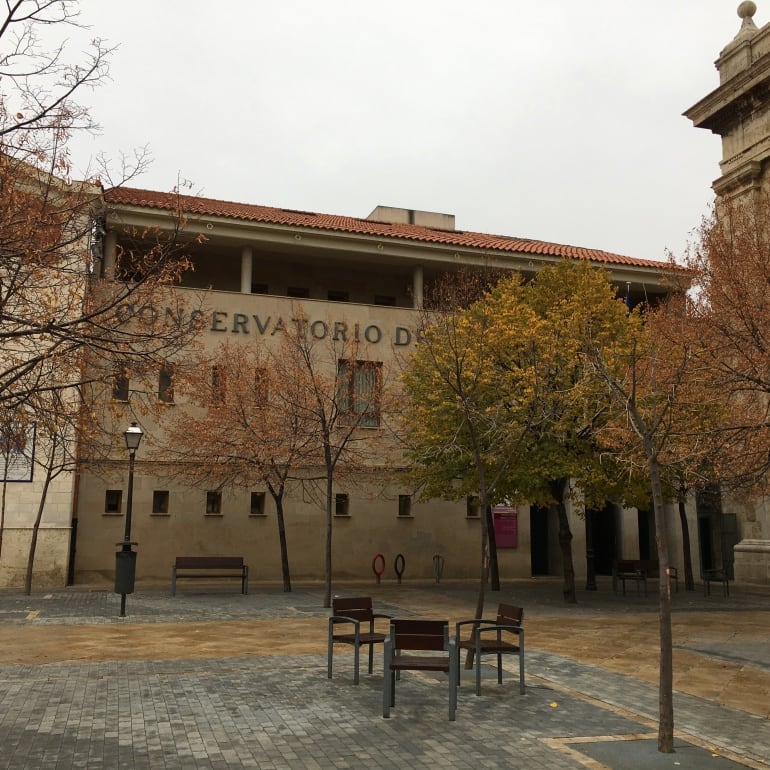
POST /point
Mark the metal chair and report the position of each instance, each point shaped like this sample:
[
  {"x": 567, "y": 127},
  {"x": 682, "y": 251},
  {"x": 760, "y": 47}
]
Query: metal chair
[
  {"x": 354, "y": 611},
  {"x": 502, "y": 636},
  {"x": 418, "y": 636}
]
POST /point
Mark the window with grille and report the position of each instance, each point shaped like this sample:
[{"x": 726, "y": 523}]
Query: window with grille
[
  {"x": 120, "y": 385},
  {"x": 166, "y": 385},
  {"x": 261, "y": 383},
  {"x": 360, "y": 384},
  {"x": 218, "y": 385}
]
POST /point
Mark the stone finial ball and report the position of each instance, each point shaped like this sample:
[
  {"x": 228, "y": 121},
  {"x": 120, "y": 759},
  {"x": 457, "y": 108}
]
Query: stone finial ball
[{"x": 747, "y": 9}]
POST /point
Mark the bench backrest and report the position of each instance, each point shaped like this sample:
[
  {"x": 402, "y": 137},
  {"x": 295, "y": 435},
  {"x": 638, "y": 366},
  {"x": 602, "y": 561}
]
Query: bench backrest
[
  {"x": 356, "y": 607},
  {"x": 635, "y": 565},
  {"x": 209, "y": 562},
  {"x": 509, "y": 615},
  {"x": 411, "y": 634}
]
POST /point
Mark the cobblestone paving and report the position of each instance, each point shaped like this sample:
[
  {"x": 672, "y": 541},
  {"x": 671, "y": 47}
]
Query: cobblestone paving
[
  {"x": 282, "y": 712},
  {"x": 274, "y": 713}
]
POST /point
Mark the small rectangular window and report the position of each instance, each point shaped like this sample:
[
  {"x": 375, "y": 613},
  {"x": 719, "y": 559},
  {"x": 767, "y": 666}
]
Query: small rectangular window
[
  {"x": 472, "y": 506},
  {"x": 385, "y": 300},
  {"x": 120, "y": 385},
  {"x": 113, "y": 501},
  {"x": 338, "y": 296},
  {"x": 257, "y": 504},
  {"x": 166, "y": 385},
  {"x": 341, "y": 505},
  {"x": 160, "y": 501},
  {"x": 404, "y": 505},
  {"x": 259, "y": 288},
  {"x": 298, "y": 291},
  {"x": 213, "y": 502}
]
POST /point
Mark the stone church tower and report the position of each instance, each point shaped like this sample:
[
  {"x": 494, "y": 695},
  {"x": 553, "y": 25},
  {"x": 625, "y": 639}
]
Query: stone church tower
[{"x": 739, "y": 111}]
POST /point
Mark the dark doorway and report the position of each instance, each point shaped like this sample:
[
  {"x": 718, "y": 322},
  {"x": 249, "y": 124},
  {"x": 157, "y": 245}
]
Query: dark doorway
[
  {"x": 706, "y": 540},
  {"x": 604, "y": 538},
  {"x": 646, "y": 525},
  {"x": 538, "y": 533},
  {"x": 717, "y": 532}
]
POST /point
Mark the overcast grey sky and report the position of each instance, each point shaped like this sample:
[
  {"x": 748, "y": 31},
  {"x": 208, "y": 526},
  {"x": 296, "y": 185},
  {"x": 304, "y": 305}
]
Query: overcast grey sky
[{"x": 559, "y": 120}]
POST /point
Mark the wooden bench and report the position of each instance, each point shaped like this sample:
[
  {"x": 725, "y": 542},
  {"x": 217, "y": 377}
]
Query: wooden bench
[
  {"x": 353, "y": 611},
  {"x": 419, "y": 636},
  {"x": 639, "y": 570},
  {"x": 210, "y": 568}
]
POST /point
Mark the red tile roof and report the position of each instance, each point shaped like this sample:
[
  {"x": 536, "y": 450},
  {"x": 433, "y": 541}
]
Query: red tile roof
[{"x": 193, "y": 205}]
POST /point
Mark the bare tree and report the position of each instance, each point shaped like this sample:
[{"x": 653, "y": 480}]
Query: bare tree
[
  {"x": 65, "y": 323},
  {"x": 231, "y": 428},
  {"x": 339, "y": 395},
  {"x": 666, "y": 424}
]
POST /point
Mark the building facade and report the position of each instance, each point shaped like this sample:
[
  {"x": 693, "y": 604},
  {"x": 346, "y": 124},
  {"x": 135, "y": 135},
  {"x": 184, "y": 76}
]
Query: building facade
[
  {"x": 735, "y": 533},
  {"x": 253, "y": 267}
]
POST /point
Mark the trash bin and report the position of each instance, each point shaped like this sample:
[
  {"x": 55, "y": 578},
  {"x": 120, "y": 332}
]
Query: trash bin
[{"x": 125, "y": 569}]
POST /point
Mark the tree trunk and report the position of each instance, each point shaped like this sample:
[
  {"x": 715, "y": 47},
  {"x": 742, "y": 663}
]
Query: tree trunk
[
  {"x": 282, "y": 540},
  {"x": 558, "y": 487},
  {"x": 494, "y": 568},
  {"x": 328, "y": 559},
  {"x": 2, "y": 512},
  {"x": 665, "y": 688},
  {"x": 483, "y": 576},
  {"x": 35, "y": 530},
  {"x": 689, "y": 580}
]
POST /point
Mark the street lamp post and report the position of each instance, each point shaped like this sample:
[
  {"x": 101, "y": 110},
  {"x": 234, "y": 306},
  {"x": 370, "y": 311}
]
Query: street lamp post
[{"x": 125, "y": 559}]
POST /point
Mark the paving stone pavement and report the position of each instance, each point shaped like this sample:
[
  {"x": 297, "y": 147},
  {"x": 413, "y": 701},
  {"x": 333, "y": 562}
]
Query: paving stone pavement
[{"x": 281, "y": 711}]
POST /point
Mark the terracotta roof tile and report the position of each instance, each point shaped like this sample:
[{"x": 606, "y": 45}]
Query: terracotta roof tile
[{"x": 193, "y": 205}]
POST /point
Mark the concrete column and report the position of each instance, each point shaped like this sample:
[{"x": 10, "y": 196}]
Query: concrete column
[
  {"x": 417, "y": 287},
  {"x": 246, "y": 269},
  {"x": 110, "y": 248}
]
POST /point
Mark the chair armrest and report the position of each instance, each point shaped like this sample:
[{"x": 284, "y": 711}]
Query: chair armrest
[
  {"x": 494, "y": 627},
  {"x": 335, "y": 619},
  {"x": 473, "y": 620},
  {"x": 377, "y": 616}
]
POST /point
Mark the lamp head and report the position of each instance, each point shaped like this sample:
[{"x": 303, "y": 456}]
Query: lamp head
[{"x": 133, "y": 436}]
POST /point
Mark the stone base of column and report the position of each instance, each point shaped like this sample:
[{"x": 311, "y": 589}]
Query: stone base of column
[{"x": 752, "y": 562}]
